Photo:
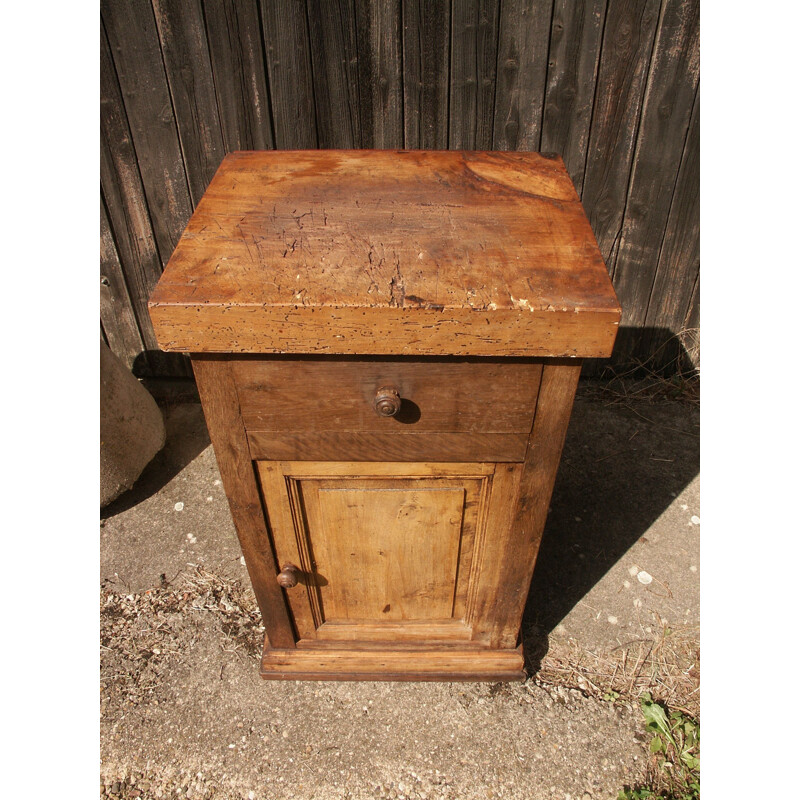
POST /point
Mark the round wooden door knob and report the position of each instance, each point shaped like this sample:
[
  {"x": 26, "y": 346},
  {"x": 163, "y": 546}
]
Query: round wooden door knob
[
  {"x": 288, "y": 576},
  {"x": 387, "y": 401}
]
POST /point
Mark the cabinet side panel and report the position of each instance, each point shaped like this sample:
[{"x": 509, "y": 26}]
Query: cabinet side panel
[
  {"x": 510, "y": 568},
  {"x": 220, "y": 405}
]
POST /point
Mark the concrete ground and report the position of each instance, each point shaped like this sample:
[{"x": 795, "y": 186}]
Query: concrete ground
[{"x": 185, "y": 714}]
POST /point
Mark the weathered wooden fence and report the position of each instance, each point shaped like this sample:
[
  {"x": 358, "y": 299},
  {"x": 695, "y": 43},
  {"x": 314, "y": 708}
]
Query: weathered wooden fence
[{"x": 611, "y": 85}]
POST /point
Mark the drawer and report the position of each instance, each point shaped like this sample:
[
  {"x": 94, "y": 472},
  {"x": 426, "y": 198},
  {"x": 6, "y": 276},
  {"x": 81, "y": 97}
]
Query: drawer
[{"x": 451, "y": 410}]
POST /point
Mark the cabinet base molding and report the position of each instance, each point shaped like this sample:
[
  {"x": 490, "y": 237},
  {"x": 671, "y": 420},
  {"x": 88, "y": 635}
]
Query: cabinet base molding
[{"x": 434, "y": 663}]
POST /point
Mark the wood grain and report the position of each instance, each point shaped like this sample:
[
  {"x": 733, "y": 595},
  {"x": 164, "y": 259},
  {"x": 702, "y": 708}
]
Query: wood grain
[
  {"x": 660, "y": 145},
  {"x": 426, "y": 57},
  {"x": 332, "y": 32},
  {"x": 380, "y": 73},
  {"x": 181, "y": 28},
  {"x": 116, "y": 312},
  {"x": 509, "y": 573},
  {"x": 625, "y": 57},
  {"x": 240, "y": 82},
  {"x": 254, "y": 269},
  {"x": 218, "y": 396},
  {"x": 137, "y": 57},
  {"x": 376, "y": 542},
  {"x": 521, "y": 71},
  {"x": 473, "y": 71},
  {"x": 288, "y": 55},
  {"x": 419, "y": 664},
  {"x": 354, "y": 446},
  {"x": 574, "y": 54},
  {"x": 679, "y": 259},
  {"x": 336, "y": 395}
]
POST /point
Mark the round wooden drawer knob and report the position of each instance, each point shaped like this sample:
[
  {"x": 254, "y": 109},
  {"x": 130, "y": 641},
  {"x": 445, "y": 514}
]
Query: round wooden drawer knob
[
  {"x": 387, "y": 401},
  {"x": 288, "y": 576}
]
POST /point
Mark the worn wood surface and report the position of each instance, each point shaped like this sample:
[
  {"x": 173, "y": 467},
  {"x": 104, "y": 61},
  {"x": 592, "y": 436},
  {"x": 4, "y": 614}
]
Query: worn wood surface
[
  {"x": 218, "y": 396},
  {"x": 473, "y": 71},
  {"x": 433, "y": 663},
  {"x": 628, "y": 34},
  {"x": 239, "y": 79},
  {"x": 521, "y": 72},
  {"x": 659, "y": 149},
  {"x": 398, "y": 73},
  {"x": 388, "y": 252},
  {"x": 312, "y": 394},
  {"x": 507, "y": 571},
  {"x": 426, "y": 56},
  {"x": 575, "y": 39},
  {"x": 181, "y": 29},
  {"x": 370, "y": 446}
]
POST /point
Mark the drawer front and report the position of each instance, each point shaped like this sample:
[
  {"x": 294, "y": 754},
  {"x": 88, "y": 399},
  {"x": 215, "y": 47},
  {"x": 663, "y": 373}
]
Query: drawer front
[{"x": 311, "y": 396}]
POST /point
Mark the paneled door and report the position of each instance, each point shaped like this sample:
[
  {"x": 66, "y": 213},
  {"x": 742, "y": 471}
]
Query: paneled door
[{"x": 387, "y": 551}]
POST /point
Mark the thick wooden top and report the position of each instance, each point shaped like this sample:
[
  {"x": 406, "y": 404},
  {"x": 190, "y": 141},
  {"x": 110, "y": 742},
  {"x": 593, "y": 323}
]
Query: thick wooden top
[{"x": 388, "y": 252}]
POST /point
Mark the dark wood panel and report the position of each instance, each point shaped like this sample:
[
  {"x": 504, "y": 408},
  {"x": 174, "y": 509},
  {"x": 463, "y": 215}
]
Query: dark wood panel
[
  {"x": 181, "y": 28},
  {"x": 240, "y": 81},
  {"x": 473, "y": 70},
  {"x": 679, "y": 259},
  {"x": 521, "y": 73},
  {"x": 627, "y": 42},
  {"x": 668, "y": 101},
  {"x": 379, "y": 48},
  {"x": 426, "y": 56},
  {"x": 332, "y": 28},
  {"x": 129, "y": 233},
  {"x": 353, "y": 446},
  {"x": 136, "y": 53},
  {"x": 116, "y": 310},
  {"x": 337, "y": 395},
  {"x": 291, "y": 89},
  {"x": 575, "y": 38}
]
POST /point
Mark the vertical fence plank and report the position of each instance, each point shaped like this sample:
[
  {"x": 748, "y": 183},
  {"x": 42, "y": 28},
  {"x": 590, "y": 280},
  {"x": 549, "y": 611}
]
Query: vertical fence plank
[
  {"x": 574, "y": 55},
  {"x": 473, "y": 69},
  {"x": 521, "y": 73},
  {"x": 136, "y": 53},
  {"x": 181, "y": 29},
  {"x": 679, "y": 259},
  {"x": 426, "y": 73},
  {"x": 668, "y": 100},
  {"x": 126, "y": 204},
  {"x": 291, "y": 87},
  {"x": 116, "y": 310},
  {"x": 332, "y": 28},
  {"x": 627, "y": 42},
  {"x": 240, "y": 82},
  {"x": 380, "y": 72}
]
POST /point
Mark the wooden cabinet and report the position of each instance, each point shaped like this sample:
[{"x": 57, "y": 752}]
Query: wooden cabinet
[{"x": 387, "y": 347}]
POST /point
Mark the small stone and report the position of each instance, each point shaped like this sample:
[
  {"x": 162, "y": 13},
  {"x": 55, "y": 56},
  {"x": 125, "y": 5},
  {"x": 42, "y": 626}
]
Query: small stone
[
  {"x": 644, "y": 577},
  {"x": 613, "y": 620},
  {"x": 693, "y": 568},
  {"x": 285, "y": 734},
  {"x": 179, "y": 506},
  {"x": 695, "y": 519},
  {"x": 632, "y": 570}
]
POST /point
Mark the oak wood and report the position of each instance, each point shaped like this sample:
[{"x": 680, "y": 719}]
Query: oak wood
[
  {"x": 309, "y": 395},
  {"x": 422, "y": 663},
  {"x": 388, "y": 252},
  {"x": 218, "y": 396},
  {"x": 369, "y": 446}
]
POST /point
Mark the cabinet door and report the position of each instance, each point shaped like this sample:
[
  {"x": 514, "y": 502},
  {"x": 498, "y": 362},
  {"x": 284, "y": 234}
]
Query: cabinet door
[{"x": 387, "y": 551}]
